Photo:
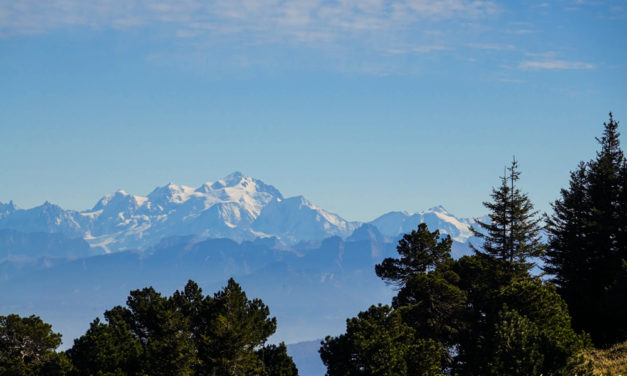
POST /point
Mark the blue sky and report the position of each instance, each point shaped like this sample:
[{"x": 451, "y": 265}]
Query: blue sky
[{"x": 361, "y": 106}]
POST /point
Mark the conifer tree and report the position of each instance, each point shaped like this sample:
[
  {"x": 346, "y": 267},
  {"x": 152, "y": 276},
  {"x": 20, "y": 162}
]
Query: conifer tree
[
  {"x": 428, "y": 299},
  {"x": 511, "y": 237},
  {"x": 588, "y": 242},
  {"x": 378, "y": 342},
  {"x": 27, "y": 347},
  {"x": 235, "y": 326},
  {"x": 186, "y": 334},
  {"x": 483, "y": 314},
  {"x": 276, "y": 361},
  {"x": 420, "y": 251}
]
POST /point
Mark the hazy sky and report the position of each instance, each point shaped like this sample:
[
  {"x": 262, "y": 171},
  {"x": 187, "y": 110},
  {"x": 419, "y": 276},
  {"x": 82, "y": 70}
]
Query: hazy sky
[{"x": 362, "y": 106}]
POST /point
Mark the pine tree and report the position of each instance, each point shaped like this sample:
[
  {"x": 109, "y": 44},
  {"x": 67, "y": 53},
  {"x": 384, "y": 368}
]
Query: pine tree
[
  {"x": 511, "y": 236},
  {"x": 186, "y": 334},
  {"x": 378, "y": 342},
  {"x": 276, "y": 361},
  {"x": 588, "y": 242},
  {"x": 420, "y": 251},
  {"x": 235, "y": 326},
  {"x": 27, "y": 347},
  {"x": 428, "y": 299}
]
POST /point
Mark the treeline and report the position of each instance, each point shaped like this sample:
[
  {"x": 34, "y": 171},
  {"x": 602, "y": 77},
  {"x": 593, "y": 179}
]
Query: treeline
[
  {"x": 487, "y": 314},
  {"x": 184, "y": 334}
]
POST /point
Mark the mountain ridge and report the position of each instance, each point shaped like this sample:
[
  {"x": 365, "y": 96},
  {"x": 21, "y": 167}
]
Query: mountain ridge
[{"x": 237, "y": 207}]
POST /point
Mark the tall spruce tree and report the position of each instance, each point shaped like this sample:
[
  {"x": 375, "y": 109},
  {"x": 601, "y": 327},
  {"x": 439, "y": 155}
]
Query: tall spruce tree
[
  {"x": 511, "y": 237},
  {"x": 587, "y": 251}
]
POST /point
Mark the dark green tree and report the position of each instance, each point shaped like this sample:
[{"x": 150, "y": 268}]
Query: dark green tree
[
  {"x": 428, "y": 299},
  {"x": 27, "y": 347},
  {"x": 146, "y": 337},
  {"x": 276, "y": 361},
  {"x": 186, "y": 334},
  {"x": 232, "y": 328},
  {"x": 163, "y": 331},
  {"x": 420, "y": 251},
  {"x": 523, "y": 325},
  {"x": 516, "y": 343},
  {"x": 433, "y": 305},
  {"x": 512, "y": 236},
  {"x": 534, "y": 328},
  {"x": 107, "y": 348},
  {"x": 588, "y": 242},
  {"x": 483, "y": 314},
  {"x": 378, "y": 342},
  {"x": 504, "y": 302}
]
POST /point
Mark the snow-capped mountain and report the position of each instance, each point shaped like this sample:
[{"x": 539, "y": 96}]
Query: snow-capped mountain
[
  {"x": 296, "y": 219},
  {"x": 237, "y": 207},
  {"x": 395, "y": 223},
  {"x": 44, "y": 218},
  {"x": 226, "y": 208}
]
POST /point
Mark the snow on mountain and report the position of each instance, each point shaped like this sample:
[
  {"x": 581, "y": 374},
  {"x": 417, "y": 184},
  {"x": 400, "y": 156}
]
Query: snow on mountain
[
  {"x": 395, "y": 223},
  {"x": 228, "y": 208},
  {"x": 296, "y": 219},
  {"x": 44, "y": 218},
  {"x": 237, "y": 207},
  {"x": 225, "y": 208}
]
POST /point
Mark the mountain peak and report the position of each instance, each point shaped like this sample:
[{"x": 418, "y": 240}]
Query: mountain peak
[
  {"x": 168, "y": 188},
  {"x": 438, "y": 208},
  {"x": 235, "y": 175},
  {"x": 298, "y": 201},
  {"x": 230, "y": 180},
  {"x": 6, "y": 209},
  {"x": 48, "y": 207},
  {"x": 119, "y": 197},
  {"x": 49, "y": 204}
]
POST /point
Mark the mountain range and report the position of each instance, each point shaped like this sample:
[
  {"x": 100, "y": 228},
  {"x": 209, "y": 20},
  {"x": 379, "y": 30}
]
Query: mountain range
[
  {"x": 312, "y": 268},
  {"x": 236, "y": 207}
]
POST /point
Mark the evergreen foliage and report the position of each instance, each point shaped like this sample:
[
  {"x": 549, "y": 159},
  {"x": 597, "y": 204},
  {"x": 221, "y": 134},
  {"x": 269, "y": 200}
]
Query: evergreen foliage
[
  {"x": 378, "y": 342},
  {"x": 587, "y": 253},
  {"x": 276, "y": 362},
  {"x": 107, "y": 349},
  {"x": 512, "y": 236},
  {"x": 419, "y": 251},
  {"x": 428, "y": 298},
  {"x": 27, "y": 347},
  {"x": 433, "y": 305},
  {"x": 185, "y": 334},
  {"x": 233, "y": 327},
  {"x": 524, "y": 325},
  {"x": 483, "y": 314}
]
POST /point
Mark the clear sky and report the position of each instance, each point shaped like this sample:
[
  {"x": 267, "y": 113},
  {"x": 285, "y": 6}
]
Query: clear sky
[{"x": 362, "y": 106}]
